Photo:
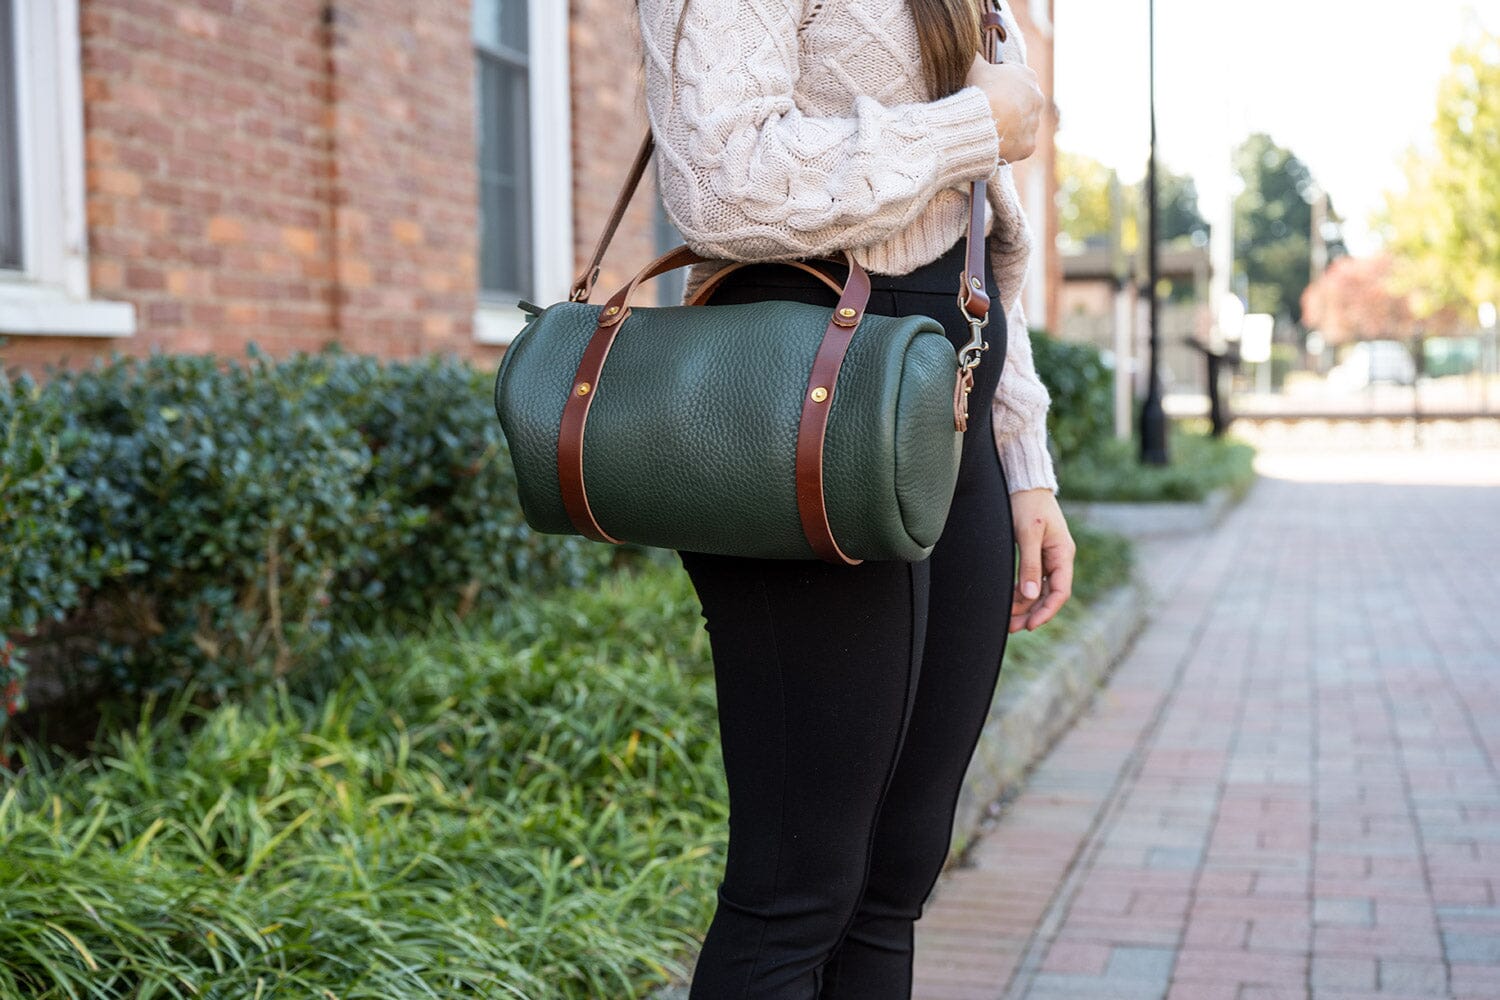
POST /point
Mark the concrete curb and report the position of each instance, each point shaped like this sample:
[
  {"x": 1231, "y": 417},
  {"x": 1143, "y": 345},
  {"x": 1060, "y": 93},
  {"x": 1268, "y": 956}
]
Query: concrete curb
[
  {"x": 1028, "y": 717},
  {"x": 1143, "y": 519}
]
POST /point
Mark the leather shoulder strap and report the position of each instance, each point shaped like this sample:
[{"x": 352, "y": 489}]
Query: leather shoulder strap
[
  {"x": 583, "y": 285},
  {"x": 972, "y": 283}
]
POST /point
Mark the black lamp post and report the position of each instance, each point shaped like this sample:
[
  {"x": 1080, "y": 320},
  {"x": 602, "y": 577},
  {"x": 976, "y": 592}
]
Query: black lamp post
[{"x": 1153, "y": 419}]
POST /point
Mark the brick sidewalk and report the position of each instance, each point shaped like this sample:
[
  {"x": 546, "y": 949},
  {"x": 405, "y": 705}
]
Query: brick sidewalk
[{"x": 1289, "y": 787}]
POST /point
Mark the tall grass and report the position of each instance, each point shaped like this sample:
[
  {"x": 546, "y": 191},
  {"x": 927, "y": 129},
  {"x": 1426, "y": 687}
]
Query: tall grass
[
  {"x": 524, "y": 809},
  {"x": 529, "y": 806}
]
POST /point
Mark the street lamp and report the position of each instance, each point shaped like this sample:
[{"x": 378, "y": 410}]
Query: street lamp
[{"x": 1153, "y": 420}]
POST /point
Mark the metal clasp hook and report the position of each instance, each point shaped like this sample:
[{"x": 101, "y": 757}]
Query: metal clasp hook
[{"x": 968, "y": 356}]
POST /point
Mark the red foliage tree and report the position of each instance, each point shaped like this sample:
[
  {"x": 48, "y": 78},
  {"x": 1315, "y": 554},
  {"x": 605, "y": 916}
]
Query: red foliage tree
[
  {"x": 1356, "y": 299},
  {"x": 1353, "y": 300}
]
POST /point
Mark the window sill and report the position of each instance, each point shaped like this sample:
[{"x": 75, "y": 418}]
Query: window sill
[
  {"x": 497, "y": 324},
  {"x": 27, "y": 310}
]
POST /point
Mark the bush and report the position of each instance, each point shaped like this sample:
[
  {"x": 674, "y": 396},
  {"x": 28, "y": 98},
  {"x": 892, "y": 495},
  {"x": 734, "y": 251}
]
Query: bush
[
  {"x": 534, "y": 808},
  {"x": 1199, "y": 464},
  {"x": 266, "y": 513},
  {"x": 44, "y": 561},
  {"x": 1082, "y": 390}
]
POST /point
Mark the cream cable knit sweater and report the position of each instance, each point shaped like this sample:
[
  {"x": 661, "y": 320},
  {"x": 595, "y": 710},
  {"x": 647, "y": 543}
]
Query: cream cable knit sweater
[{"x": 802, "y": 127}]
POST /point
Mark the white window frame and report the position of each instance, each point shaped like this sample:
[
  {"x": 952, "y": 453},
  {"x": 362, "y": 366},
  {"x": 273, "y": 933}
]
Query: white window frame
[
  {"x": 50, "y": 296},
  {"x": 551, "y": 172}
]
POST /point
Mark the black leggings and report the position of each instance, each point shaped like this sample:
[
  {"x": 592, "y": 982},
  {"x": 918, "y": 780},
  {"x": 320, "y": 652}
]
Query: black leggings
[{"x": 844, "y": 768}]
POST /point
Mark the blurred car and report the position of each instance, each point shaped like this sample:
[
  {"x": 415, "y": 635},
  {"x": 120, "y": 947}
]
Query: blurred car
[{"x": 1370, "y": 361}]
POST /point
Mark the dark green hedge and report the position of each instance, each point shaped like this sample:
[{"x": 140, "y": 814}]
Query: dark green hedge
[
  {"x": 189, "y": 516},
  {"x": 1082, "y": 389}
]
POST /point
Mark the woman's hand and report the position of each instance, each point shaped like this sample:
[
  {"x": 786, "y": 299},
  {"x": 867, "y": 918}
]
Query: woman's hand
[
  {"x": 1016, "y": 101},
  {"x": 1046, "y": 548}
]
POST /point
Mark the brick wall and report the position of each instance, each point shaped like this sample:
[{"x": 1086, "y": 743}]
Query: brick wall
[
  {"x": 1044, "y": 160},
  {"x": 287, "y": 172},
  {"x": 404, "y": 237},
  {"x": 206, "y": 175},
  {"x": 292, "y": 172}
]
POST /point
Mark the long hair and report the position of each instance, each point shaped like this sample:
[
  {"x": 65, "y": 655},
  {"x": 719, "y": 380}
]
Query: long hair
[{"x": 948, "y": 32}]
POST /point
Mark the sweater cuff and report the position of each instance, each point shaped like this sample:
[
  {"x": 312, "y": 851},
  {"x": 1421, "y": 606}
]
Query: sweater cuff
[
  {"x": 963, "y": 128},
  {"x": 1027, "y": 462}
]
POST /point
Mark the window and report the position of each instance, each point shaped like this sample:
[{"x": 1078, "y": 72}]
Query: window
[
  {"x": 10, "y": 160},
  {"x": 44, "y": 273},
  {"x": 504, "y": 121},
  {"x": 524, "y": 200}
]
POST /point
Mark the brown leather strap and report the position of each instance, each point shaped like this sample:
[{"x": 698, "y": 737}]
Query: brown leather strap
[
  {"x": 585, "y": 386},
  {"x": 822, "y": 381},
  {"x": 812, "y": 426},
  {"x": 972, "y": 295},
  {"x": 817, "y": 401},
  {"x": 707, "y": 289},
  {"x": 583, "y": 285}
]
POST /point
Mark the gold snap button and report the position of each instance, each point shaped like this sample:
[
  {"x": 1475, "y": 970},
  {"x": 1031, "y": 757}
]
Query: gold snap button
[
  {"x": 819, "y": 394},
  {"x": 975, "y": 282},
  {"x": 583, "y": 388},
  {"x": 611, "y": 310},
  {"x": 846, "y": 312}
]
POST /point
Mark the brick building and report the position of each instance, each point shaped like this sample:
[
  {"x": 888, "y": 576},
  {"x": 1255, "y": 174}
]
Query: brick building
[{"x": 193, "y": 175}]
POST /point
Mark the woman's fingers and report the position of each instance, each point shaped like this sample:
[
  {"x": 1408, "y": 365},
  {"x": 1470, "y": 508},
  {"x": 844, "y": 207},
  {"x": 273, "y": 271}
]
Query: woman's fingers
[
  {"x": 1059, "y": 587},
  {"x": 1029, "y": 575}
]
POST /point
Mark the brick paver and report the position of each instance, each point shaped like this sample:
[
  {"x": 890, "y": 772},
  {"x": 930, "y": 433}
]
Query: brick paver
[{"x": 1288, "y": 789}]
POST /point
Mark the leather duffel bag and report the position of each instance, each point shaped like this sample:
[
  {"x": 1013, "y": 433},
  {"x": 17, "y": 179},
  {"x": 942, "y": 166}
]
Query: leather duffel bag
[{"x": 773, "y": 429}]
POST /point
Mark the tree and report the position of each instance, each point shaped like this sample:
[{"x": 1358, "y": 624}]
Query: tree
[
  {"x": 1273, "y": 225},
  {"x": 1444, "y": 228},
  {"x": 1353, "y": 300},
  {"x": 1177, "y": 201},
  {"x": 1084, "y": 210}
]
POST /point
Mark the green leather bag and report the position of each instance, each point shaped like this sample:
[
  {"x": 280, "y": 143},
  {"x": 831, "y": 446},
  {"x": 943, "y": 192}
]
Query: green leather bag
[{"x": 773, "y": 429}]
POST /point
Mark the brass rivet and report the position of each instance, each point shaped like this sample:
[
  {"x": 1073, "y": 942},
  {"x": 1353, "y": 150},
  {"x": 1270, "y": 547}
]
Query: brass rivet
[
  {"x": 975, "y": 282},
  {"x": 819, "y": 394},
  {"x": 583, "y": 388},
  {"x": 846, "y": 312},
  {"x": 611, "y": 310}
]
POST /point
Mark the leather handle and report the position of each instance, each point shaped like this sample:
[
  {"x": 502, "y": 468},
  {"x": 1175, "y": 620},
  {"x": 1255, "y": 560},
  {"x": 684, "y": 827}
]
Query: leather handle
[
  {"x": 618, "y": 306},
  {"x": 707, "y": 289}
]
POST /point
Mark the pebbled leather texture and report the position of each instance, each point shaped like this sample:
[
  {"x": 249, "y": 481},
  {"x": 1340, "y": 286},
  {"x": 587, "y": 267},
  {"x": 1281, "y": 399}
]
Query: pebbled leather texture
[{"x": 691, "y": 438}]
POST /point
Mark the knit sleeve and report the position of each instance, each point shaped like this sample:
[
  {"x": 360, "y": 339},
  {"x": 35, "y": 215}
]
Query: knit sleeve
[
  {"x": 745, "y": 174},
  {"x": 1019, "y": 412}
]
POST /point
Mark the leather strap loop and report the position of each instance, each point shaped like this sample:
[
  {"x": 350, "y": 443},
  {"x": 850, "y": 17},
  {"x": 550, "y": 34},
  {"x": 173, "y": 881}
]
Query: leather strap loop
[{"x": 817, "y": 401}]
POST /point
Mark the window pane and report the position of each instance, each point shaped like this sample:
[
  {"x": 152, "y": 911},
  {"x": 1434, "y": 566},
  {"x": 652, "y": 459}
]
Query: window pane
[
  {"x": 504, "y": 178},
  {"x": 500, "y": 24},
  {"x": 10, "y": 157}
]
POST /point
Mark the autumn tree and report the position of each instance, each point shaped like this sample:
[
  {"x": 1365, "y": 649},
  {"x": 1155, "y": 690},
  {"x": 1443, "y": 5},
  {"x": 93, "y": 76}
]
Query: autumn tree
[
  {"x": 1444, "y": 228},
  {"x": 1354, "y": 300}
]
